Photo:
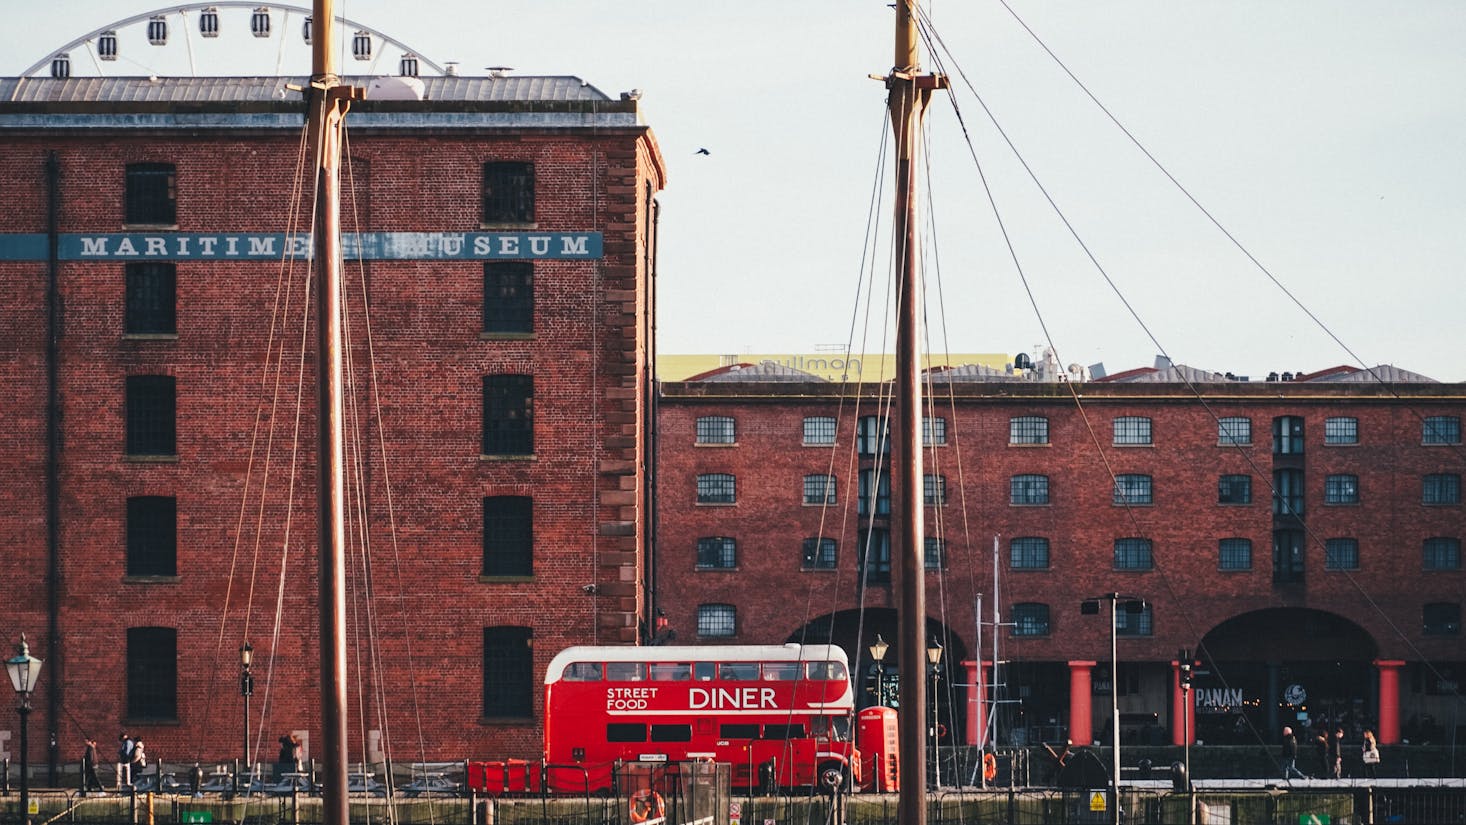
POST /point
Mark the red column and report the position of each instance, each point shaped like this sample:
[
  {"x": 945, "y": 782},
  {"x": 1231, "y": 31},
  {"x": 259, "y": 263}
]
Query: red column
[
  {"x": 1389, "y": 701},
  {"x": 977, "y": 701},
  {"x": 1183, "y": 725},
  {"x": 1081, "y": 723}
]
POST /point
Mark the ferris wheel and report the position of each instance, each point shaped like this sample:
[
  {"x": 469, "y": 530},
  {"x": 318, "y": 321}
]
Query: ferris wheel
[{"x": 230, "y": 37}]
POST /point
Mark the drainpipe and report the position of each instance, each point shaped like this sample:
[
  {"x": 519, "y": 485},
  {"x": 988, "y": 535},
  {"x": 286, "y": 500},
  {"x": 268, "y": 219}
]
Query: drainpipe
[
  {"x": 653, "y": 391},
  {"x": 53, "y": 464}
]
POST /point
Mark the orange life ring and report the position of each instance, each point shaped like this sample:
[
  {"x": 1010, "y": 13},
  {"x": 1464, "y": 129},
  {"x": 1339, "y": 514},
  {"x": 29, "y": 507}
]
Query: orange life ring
[
  {"x": 989, "y": 767},
  {"x": 647, "y": 804}
]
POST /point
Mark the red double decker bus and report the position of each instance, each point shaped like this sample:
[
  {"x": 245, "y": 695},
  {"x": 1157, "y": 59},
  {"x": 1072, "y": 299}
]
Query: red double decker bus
[{"x": 780, "y": 715}]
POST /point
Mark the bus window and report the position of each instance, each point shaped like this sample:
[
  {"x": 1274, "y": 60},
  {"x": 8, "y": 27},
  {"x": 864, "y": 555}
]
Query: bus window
[
  {"x": 625, "y": 671},
  {"x": 671, "y": 733},
  {"x": 825, "y": 671},
  {"x": 679, "y": 672},
  {"x": 738, "y": 671},
  {"x": 830, "y": 728},
  {"x": 738, "y": 731},
  {"x": 704, "y": 671},
  {"x": 583, "y": 672},
  {"x": 781, "y": 671},
  {"x": 784, "y": 732},
  {"x": 625, "y": 732}
]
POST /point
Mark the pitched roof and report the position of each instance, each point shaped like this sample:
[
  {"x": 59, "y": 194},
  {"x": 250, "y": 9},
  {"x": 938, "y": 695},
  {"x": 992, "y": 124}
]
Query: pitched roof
[{"x": 454, "y": 88}]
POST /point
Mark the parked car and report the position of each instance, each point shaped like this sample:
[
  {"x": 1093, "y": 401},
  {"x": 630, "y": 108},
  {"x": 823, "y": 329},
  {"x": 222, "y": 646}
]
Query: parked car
[{"x": 432, "y": 784}]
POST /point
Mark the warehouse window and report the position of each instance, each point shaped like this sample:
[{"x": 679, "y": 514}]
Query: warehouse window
[
  {"x": 1288, "y": 435},
  {"x": 509, "y": 682},
  {"x": 152, "y": 194},
  {"x": 818, "y": 554},
  {"x": 1288, "y": 492},
  {"x": 934, "y": 490},
  {"x": 935, "y": 555},
  {"x": 1234, "y": 554},
  {"x": 881, "y": 480},
  {"x": 1028, "y": 489},
  {"x": 1233, "y": 431},
  {"x": 152, "y": 673},
  {"x": 873, "y": 435},
  {"x": 508, "y": 297},
  {"x": 508, "y": 536},
  {"x": 151, "y": 403},
  {"x": 1133, "y": 554},
  {"x": 1028, "y": 429},
  {"x": 508, "y": 192},
  {"x": 1132, "y": 429},
  {"x": 716, "y": 620},
  {"x": 508, "y": 415},
  {"x": 1341, "y": 554},
  {"x": 933, "y": 431},
  {"x": 875, "y": 555},
  {"x": 151, "y": 299},
  {"x": 1341, "y": 430},
  {"x": 717, "y": 553},
  {"x": 1139, "y": 623},
  {"x": 1442, "y": 553},
  {"x": 716, "y": 488},
  {"x": 1442, "y": 429},
  {"x": 715, "y": 429},
  {"x": 152, "y": 536},
  {"x": 1342, "y": 488},
  {"x": 1441, "y": 618},
  {"x": 1030, "y": 619},
  {"x": 1442, "y": 488},
  {"x": 819, "y": 429},
  {"x": 819, "y": 489},
  {"x": 1132, "y": 489},
  {"x": 1234, "y": 489},
  {"x": 1029, "y": 553}
]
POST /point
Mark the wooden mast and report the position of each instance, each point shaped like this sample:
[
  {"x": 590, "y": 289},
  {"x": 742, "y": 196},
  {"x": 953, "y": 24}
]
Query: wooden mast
[
  {"x": 909, "y": 92},
  {"x": 329, "y": 101}
]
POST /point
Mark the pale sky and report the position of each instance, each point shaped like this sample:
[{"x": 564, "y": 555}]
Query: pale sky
[{"x": 1326, "y": 135}]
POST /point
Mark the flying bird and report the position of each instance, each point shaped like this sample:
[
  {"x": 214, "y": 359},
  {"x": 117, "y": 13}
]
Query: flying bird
[{"x": 702, "y": 152}]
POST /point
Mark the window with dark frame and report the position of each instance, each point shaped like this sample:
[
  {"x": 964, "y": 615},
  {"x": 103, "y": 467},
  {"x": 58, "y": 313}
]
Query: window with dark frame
[
  {"x": 1234, "y": 489},
  {"x": 818, "y": 554},
  {"x": 151, "y": 298},
  {"x": 1135, "y": 624},
  {"x": 881, "y": 479},
  {"x": 1288, "y": 556},
  {"x": 1442, "y": 429},
  {"x": 1442, "y": 553},
  {"x": 508, "y": 192},
  {"x": 1341, "y": 430},
  {"x": 1133, "y": 554},
  {"x": 1441, "y": 488},
  {"x": 935, "y": 555},
  {"x": 1441, "y": 618},
  {"x": 715, "y": 429},
  {"x": 1132, "y": 430},
  {"x": 508, "y": 414},
  {"x": 874, "y": 549},
  {"x": 819, "y": 429},
  {"x": 509, "y": 678},
  {"x": 509, "y": 297},
  {"x": 1132, "y": 489},
  {"x": 1341, "y": 554},
  {"x": 873, "y": 435},
  {"x": 151, "y": 411},
  {"x": 1288, "y": 492},
  {"x": 152, "y": 673},
  {"x": 716, "y": 488},
  {"x": 1288, "y": 435},
  {"x": 1233, "y": 431},
  {"x": 934, "y": 490},
  {"x": 717, "y": 620},
  {"x": 151, "y": 197},
  {"x": 508, "y": 536},
  {"x": 1028, "y": 553},
  {"x": 1028, "y": 429},
  {"x": 933, "y": 431},
  {"x": 1234, "y": 554},
  {"x": 1341, "y": 488},
  {"x": 152, "y": 536},
  {"x": 717, "y": 553},
  {"x": 819, "y": 489},
  {"x": 1030, "y": 619},
  {"x": 1028, "y": 489}
]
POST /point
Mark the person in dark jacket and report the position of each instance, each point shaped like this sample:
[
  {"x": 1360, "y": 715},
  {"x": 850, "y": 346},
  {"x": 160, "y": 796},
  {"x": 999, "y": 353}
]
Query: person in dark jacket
[
  {"x": 1290, "y": 756},
  {"x": 1335, "y": 760},
  {"x": 89, "y": 779}
]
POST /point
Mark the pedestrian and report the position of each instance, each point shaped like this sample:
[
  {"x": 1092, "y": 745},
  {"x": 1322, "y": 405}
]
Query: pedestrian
[
  {"x": 1335, "y": 750},
  {"x": 89, "y": 779},
  {"x": 1370, "y": 754},
  {"x": 124, "y": 760},
  {"x": 139, "y": 761},
  {"x": 1290, "y": 755},
  {"x": 1321, "y": 747},
  {"x": 285, "y": 759}
]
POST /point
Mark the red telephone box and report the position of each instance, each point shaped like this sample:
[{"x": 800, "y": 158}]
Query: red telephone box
[{"x": 876, "y": 737}]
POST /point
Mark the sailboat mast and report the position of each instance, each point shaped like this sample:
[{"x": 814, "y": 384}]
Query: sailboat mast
[
  {"x": 328, "y": 104},
  {"x": 909, "y": 92}
]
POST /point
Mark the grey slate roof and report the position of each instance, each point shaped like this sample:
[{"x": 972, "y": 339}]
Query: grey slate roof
[
  {"x": 767, "y": 371},
  {"x": 971, "y": 372},
  {"x": 265, "y": 89},
  {"x": 1177, "y": 374},
  {"x": 1386, "y": 373}
]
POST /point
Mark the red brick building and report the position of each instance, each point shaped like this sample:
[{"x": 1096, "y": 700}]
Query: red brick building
[
  {"x": 156, "y": 507},
  {"x": 1302, "y": 533}
]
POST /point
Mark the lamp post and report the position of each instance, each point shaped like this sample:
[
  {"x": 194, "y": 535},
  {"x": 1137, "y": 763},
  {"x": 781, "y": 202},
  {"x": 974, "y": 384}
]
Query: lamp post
[
  {"x": 1184, "y": 660},
  {"x": 934, "y": 658},
  {"x": 1090, "y": 607},
  {"x": 24, "y": 670},
  {"x": 243, "y": 776},
  {"x": 878, "y": 650}
]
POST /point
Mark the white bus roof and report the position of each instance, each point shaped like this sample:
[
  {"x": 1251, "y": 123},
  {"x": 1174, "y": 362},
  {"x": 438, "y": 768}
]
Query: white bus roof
[{"x": 791, "y": 652}]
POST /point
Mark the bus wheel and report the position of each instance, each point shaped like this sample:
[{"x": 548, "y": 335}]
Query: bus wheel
[{"x": 834, "y": 778}]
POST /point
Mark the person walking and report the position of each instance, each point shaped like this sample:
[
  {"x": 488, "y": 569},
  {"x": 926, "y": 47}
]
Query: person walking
[
  {"x": 1335, "y": 757},
  {"x": 124, "y": 760},
  {"x": 1370, "y": 754},
  {"x": 89, "y": 779},
  {"x": 139, "y": 761},
  {"x": 1290, "y": 755}
]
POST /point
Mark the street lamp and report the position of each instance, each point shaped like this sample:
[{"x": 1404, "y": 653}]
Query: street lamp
[
  {"x": 878, "y": 650},
  {"x": 1184, "y": 660},
  {"x": 1132, "y": 606},
  {"x": 243, "y": 777},
  {"x": 934, "y": 658},
  {"x": 24, "y": 670}
]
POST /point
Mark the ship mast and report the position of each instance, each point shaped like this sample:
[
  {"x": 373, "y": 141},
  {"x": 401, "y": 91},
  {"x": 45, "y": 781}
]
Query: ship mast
[
  {"x": 328, "y": 102},
  {"x": 908, "y": 94}
]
